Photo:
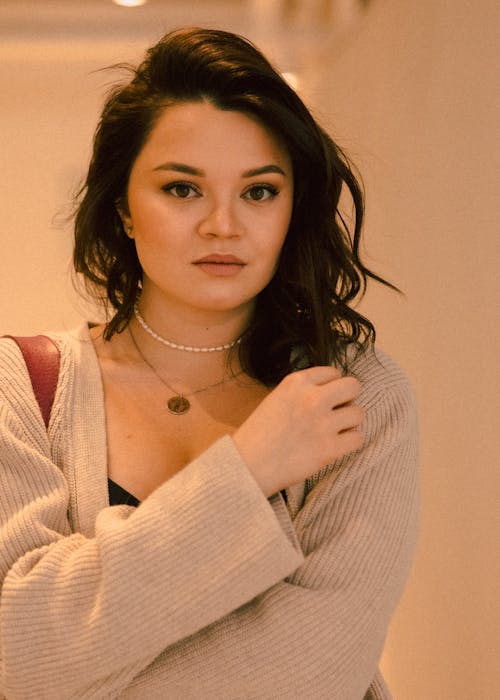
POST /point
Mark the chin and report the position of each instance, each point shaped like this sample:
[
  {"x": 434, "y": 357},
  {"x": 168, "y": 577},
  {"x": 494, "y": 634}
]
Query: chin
[{"x": 225, "y": 303}]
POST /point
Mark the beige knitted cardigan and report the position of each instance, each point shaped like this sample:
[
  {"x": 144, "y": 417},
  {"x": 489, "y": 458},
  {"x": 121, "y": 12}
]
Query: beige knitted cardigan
[{"x": 207, "y": 589}]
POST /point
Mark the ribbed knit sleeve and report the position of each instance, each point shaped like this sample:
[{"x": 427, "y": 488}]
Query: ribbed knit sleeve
[
  {"x": 320, "y": 632},
  {"x": 81, "y": 616},
  {"x": 207, "y": 590}
]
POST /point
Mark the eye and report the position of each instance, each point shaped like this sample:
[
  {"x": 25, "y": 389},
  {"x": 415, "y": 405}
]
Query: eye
[
  {"x": 261, "y": 193},
  {"x": 181, "y": 190}
]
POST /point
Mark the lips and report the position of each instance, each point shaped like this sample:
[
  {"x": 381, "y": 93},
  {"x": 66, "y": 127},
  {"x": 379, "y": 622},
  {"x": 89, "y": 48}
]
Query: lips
[
  {"x": 220, "y": 265},
  {"x": 221, "y": 259}
]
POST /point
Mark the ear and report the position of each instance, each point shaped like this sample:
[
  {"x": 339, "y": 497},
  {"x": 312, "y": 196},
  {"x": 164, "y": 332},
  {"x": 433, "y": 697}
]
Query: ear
[
  {"x": 124, "y": 214},
  {"x": 127, "y": 226}
]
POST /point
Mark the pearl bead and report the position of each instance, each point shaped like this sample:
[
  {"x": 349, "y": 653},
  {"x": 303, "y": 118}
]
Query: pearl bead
[{"x": 175, "y": 346}]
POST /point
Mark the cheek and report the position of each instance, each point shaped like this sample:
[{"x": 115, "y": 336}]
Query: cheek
[
  {"x": 145, "y": 214},
  {"x": 155, "y": 228},
  {"x": 282, "y": 225},
  {"x": 270, "y": 250}
]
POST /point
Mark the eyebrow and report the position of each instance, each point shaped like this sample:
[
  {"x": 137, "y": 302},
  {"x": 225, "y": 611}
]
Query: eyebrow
[
  {"x": 263, "y": 170},
  {"x": 189, "y": 170},
  {"x": 180, "y": 168}
]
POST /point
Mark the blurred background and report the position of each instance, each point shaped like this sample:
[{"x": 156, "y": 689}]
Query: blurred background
[{"x": 410, "y": 91}]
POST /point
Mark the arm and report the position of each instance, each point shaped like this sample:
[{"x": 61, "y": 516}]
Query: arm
[
  {"x": 320, "y": 632},
  {"x": 83, "y": 616}
]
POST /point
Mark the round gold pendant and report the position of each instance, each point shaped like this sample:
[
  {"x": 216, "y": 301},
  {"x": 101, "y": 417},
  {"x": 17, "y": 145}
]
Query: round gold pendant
[{"x": 178, "y": 405}]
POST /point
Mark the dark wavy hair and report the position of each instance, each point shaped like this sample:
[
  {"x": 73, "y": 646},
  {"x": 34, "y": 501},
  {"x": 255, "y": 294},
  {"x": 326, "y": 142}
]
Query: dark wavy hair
[{"x": 307, "y": 303}]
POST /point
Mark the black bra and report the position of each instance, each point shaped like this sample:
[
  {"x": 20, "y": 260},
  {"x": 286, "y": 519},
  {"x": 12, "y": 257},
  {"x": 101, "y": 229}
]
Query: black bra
[{"x": 118, "y": 496}]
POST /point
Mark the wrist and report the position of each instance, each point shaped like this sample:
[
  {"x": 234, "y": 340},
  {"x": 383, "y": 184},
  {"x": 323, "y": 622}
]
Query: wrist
[{"x": 262, "y": 474}]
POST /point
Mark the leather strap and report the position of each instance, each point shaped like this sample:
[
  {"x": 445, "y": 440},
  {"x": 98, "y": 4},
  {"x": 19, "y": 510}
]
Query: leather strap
[{"x": 42, "y": 358}]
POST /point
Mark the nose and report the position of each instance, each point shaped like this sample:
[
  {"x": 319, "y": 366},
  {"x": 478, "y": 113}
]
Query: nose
[{"x": 221, "y": 221}]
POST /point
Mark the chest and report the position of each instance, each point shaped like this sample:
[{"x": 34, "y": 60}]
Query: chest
[{"x": 147, "y": 444}]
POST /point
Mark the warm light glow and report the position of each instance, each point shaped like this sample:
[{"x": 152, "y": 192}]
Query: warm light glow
[
  {"x": 130, "y": 3},
  {"x": 292, "y": 79}
]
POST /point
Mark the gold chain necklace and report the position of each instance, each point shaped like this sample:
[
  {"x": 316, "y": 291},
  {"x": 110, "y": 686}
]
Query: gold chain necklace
[{"x": 177, "y": 404}]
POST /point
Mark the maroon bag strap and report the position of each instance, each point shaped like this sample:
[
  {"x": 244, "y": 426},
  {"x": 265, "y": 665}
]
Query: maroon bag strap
[{"x": 42, "y": 358}]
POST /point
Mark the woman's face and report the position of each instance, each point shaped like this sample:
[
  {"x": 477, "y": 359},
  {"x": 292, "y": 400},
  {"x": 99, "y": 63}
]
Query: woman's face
[{"x": 209, "y": 204}]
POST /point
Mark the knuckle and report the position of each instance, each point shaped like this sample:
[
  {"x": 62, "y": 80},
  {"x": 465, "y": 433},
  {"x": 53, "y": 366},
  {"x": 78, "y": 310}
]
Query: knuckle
[
  {"x": 292, "y": 380},
  {"x": 354, "y": 385},
  {"x": 359, "y": 439},
  {"x": 336, "y": 373},
  {"x": 359, "y": 412},
  {"x": 354, "y": 439},
  {"x": 321, "y": 374},
  {"x": 310, "y": 399}
]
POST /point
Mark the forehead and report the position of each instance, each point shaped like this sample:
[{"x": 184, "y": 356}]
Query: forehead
[{"x": 198, "y": 133}]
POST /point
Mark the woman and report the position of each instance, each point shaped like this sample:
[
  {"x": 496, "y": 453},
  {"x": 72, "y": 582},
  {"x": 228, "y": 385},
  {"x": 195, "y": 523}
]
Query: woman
[{"x": 224, "y": 505}]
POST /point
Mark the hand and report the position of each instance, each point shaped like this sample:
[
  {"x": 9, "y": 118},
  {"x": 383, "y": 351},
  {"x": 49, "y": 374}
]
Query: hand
[{"x": 306, "y": 422}]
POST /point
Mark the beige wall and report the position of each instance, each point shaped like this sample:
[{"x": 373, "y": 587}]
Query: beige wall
[
  {"x": 414, "y": 95},
  {"x": 51, "y": 99},
  {"x": 411, "y": 97}
]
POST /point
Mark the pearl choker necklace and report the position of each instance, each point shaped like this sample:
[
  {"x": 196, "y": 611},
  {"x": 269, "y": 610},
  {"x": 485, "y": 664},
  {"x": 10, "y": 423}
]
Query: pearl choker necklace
[{"x": 175, "y": 346}]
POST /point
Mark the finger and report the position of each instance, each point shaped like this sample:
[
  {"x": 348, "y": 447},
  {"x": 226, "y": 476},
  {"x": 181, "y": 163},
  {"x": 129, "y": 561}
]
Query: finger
[
  {"x": 321, "y": 374},
  {"x": 348, "y": 418},
  {"x": 340, "y": 392},
  {"x": 350, "y": 441}
]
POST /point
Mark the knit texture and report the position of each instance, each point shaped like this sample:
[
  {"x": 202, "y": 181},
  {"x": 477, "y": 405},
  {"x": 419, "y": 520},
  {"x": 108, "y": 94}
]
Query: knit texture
[{"x": 207, "y": 589}]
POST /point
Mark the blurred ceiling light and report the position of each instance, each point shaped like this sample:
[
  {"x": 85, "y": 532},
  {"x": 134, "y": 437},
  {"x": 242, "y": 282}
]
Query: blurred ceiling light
[{"x": 130, "y": 3}]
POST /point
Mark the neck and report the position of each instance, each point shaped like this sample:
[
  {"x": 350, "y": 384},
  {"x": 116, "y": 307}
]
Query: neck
[
  {"x": 178, "y": 346},
  {"x": 198, "y": 328},
  {"x": 184, "y": 368}
]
